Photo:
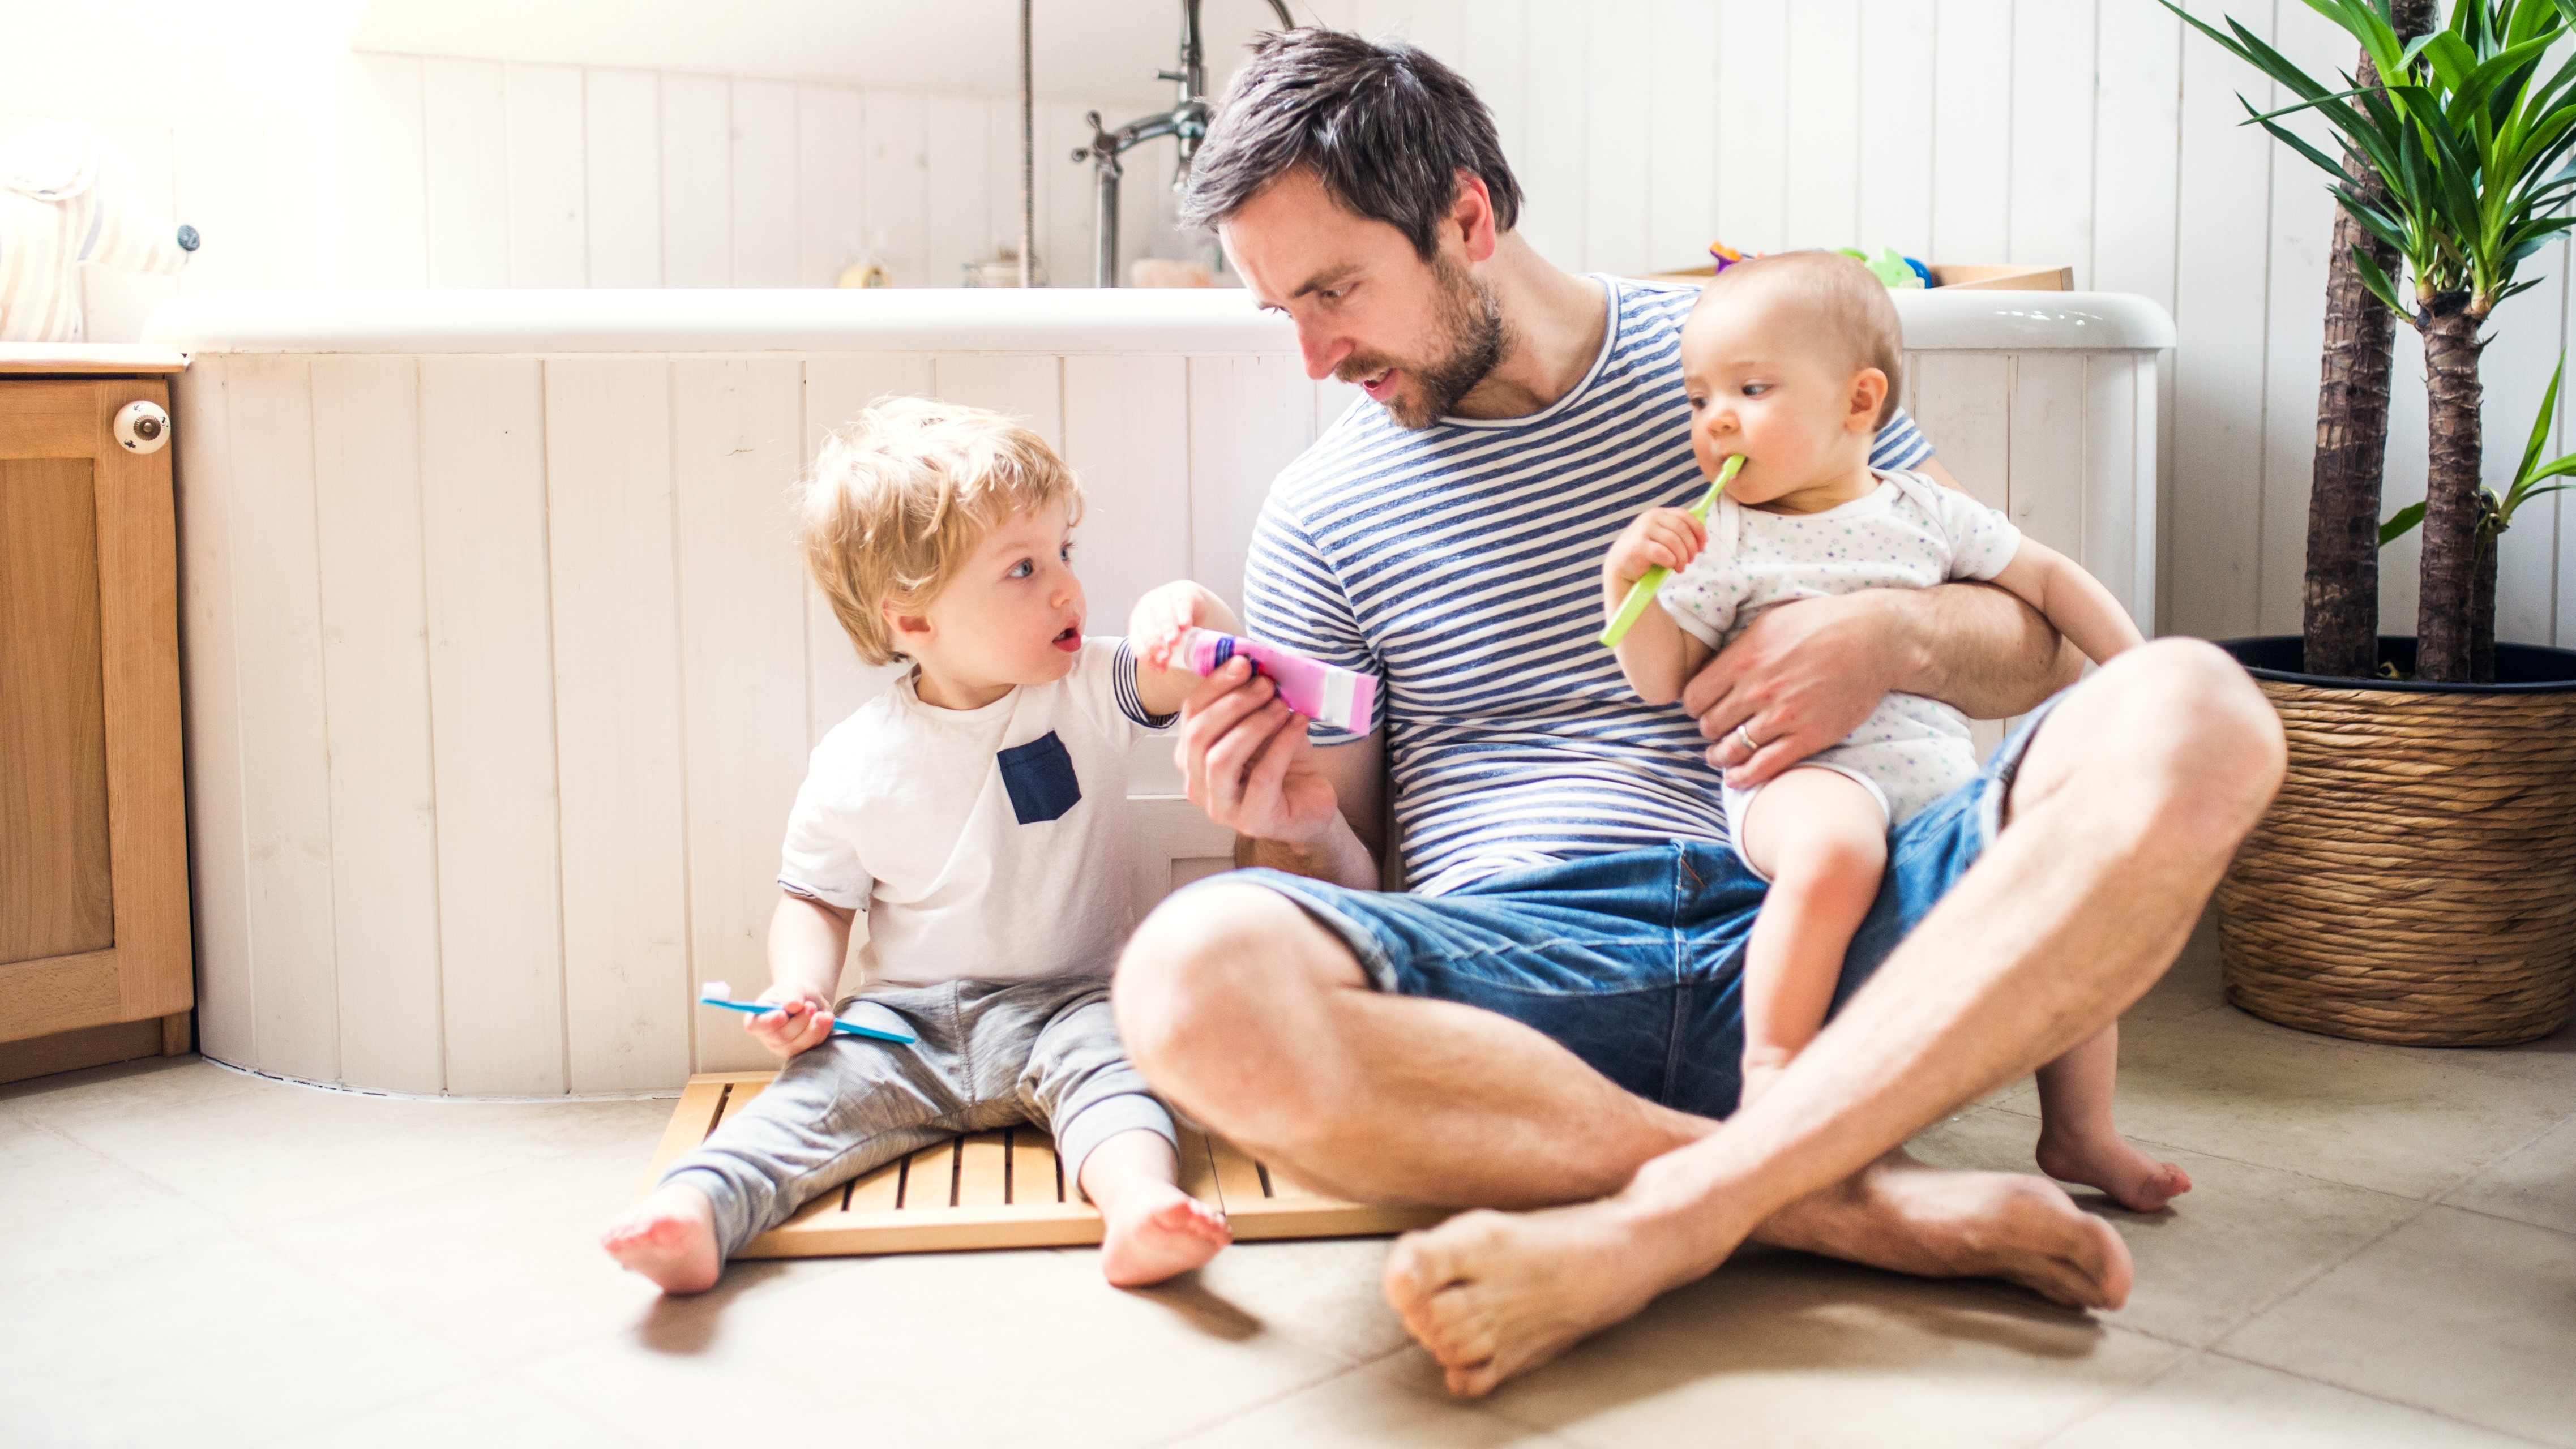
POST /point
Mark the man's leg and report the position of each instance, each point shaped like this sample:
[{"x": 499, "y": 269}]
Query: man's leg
[
  {"x": 1247, "y": 1014},
  {"x": 2125, "y": 812}
]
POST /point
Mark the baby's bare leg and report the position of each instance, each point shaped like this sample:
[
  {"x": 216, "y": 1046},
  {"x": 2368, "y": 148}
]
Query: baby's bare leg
[
  {"x": 2077, "y": 1141},
  {"x": 1822, "y": 839},
  {"x": 1151, "y": 1229}
]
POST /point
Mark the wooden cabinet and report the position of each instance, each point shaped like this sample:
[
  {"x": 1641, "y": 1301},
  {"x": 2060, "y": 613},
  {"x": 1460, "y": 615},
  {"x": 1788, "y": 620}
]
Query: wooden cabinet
[{"x": 94, "y": 927}]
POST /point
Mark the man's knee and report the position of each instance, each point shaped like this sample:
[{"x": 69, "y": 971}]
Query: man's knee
[
  {"x": 2199, "y": 735},
  {"x": 1202, "y": 974}
]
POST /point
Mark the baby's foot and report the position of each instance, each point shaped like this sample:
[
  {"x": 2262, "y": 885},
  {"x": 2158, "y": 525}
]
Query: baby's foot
[
  {"x": 669, "y": 1237},
  {"x": 2106, "y": 1160},
  {"x": 1156, "y": 1231}
]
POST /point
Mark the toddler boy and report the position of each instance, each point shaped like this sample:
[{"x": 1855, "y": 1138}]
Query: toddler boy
[{"x": 976, "y": 814}]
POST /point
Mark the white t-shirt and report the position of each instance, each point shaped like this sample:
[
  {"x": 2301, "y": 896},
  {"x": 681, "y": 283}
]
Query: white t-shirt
[
  {"x": 987, "y": 843},
  {"x": 1910, "y": 533}
]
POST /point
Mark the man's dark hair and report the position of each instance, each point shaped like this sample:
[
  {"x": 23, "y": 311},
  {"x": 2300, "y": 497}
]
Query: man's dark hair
[{"x": 1385, "y": 127}]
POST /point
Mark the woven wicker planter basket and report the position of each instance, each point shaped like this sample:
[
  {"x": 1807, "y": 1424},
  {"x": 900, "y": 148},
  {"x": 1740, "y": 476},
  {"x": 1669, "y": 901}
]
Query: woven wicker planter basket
[{"x": 2415, "y": 881}]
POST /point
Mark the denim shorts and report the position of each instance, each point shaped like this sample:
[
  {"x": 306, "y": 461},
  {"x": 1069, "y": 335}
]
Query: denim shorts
[{"x": 1635, "y": 961}]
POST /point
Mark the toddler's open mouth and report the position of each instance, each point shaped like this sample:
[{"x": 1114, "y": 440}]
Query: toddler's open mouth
[{"x": 1070, "y": 641}]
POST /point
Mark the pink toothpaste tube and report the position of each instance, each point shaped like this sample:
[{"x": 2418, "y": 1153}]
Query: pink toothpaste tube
[{"x": 1343, "y": 698}]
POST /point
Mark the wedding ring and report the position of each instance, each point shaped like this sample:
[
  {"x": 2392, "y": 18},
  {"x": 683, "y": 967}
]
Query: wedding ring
[{"x": 1751, "y": 746}]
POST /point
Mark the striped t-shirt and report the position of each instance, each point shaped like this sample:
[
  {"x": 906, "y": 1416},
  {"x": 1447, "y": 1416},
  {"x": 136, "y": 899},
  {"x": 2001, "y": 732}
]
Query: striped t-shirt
[{"x": 1462, "y": 564}]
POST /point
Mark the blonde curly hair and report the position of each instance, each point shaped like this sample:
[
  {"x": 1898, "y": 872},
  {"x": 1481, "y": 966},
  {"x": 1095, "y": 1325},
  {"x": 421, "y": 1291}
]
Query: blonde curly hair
[{"x": 900, "y": 495}]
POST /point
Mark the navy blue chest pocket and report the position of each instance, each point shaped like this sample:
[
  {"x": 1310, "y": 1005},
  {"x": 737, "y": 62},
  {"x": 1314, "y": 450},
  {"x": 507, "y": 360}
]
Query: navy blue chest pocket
[{"x": 1039, "y": 776}]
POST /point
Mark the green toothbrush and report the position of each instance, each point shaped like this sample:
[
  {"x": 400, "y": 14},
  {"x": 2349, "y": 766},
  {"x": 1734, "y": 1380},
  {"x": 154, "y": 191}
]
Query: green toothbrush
[{"x": 1642, "y": 592}]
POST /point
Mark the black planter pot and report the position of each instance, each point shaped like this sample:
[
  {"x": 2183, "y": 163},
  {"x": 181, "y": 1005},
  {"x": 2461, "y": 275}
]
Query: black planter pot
[{"x": 2415, "y": 880}]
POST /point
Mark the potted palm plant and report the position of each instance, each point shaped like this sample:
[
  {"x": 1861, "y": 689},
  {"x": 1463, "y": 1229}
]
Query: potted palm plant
[{"x": 2416, "y": 879}]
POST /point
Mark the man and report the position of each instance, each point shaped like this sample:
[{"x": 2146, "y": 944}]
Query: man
[{"x": 1551, "y": 1017}]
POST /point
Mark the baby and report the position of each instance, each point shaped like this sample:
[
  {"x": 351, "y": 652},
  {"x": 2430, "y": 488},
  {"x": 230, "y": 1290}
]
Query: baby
[
  {"x": 1793, "y": 361},
  {"x": 976, "y": 813}
]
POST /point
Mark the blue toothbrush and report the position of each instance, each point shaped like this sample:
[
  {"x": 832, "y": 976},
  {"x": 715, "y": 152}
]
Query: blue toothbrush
[{"x": 873, "y": 1021}]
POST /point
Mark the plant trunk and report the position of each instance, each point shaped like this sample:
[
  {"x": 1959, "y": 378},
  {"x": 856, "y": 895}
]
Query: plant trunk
[
  {"x": 2445, "y": 613},
  {"x": 2341, "y": 595},
  {"x": 2482, "y": 605}
]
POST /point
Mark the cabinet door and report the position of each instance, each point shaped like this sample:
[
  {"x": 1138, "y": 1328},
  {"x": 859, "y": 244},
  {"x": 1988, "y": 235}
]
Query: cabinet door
[{"x": 93, "y": 857}]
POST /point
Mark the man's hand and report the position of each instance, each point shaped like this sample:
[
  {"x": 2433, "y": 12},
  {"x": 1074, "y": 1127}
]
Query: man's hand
[
  {"x": 1244, "y": 759},
  {"x": 802, "y": 1021},
  {"x": 1801, "y": 677}
]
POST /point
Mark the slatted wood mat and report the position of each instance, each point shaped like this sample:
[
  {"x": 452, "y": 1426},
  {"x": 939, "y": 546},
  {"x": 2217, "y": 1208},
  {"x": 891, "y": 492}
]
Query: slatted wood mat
[{"x": 1008, "y": 1190}]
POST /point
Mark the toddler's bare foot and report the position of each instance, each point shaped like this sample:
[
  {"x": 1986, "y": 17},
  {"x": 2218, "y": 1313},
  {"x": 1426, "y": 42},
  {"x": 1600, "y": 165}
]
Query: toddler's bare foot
[
  {"x": 669, "y": 1237},
  {"x": 1154, "y": 1231},
  {"x": 2106, "y": 1160}
]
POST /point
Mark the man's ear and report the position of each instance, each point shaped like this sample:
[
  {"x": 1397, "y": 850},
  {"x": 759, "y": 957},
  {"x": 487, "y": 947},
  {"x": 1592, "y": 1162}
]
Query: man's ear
[
  {"x": 1868, "y": 395},
  {"x": 1472, "y": 213}
]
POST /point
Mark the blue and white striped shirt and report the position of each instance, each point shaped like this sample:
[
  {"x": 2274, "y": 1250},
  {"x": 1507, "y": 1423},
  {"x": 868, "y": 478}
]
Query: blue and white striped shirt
[{"x": 1461, "y": 563}]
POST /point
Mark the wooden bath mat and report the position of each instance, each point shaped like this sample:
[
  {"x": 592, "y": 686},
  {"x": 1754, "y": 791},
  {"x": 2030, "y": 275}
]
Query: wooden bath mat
[{"x": 1007, "y": 1190}]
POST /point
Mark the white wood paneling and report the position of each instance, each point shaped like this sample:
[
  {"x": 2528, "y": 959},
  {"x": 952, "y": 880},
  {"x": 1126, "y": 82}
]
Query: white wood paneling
[
  {"x": 2219, "y": 308},
  {"x": 622, "y": 177},
  {"x": 898, "y": 178},
  {"x": 1248, "y": 417},
  {"x": 491, "y": 691},
  {"x": 765, "y": 180},
  {"x": 375, "y": 673},
  {"x": 1551, "y": 165},
  {"x": 617, "y": 719},
  {"x": 466, "y": 136},
  {"x": 1896, "y": 151},
  {"x": 1617, "y": 177},
  {"x": 1820, "y": 206},
  {"x": 1752, "y": 124},
  {"x": 697, "y": 181},
  {"x": 958, "y": 195},
  {"x": 548, "y": 197},
  {"x": 1030, "y": 389},
  {"x": 388, "y": 190},
  {"x": 286, "y": 789},
  {"x": 2052, "y": 137},
  {"x": 1681, "y": 133},
  {"x": 1972, "y": 129},
  {"x": 211, "y": 684},
  {"x": 831, "y": 182},
  {"x": 737, "y": 430}
]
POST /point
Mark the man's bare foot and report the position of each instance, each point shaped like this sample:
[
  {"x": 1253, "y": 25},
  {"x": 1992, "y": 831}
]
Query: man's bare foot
[
  {"x": 1153, "y": 1231},
  {"x": 1493, "y": 1294},
  {"x": 1933, "y": 1222},
  {"x": 669, "y": 1237},
  {"x": 2107, "y": 1160}
]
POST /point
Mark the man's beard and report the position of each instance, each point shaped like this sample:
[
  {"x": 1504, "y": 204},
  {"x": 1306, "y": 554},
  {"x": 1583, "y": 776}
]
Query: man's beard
[{"x": 1472, "y": 338}]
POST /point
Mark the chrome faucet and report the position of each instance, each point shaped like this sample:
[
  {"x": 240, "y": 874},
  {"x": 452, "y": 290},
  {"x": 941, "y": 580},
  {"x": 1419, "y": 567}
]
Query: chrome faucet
[{"x": 1186, "y": 123}]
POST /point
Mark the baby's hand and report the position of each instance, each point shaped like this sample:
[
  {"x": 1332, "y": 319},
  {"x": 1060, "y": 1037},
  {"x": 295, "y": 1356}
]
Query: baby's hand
[
  {"x": 1161, "y": 618},
  {"x": 1660, "y": 538},
  {"x": 802, "y": 1021}
]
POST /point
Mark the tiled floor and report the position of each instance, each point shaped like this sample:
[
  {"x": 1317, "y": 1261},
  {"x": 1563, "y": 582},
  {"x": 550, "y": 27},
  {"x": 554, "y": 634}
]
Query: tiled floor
[{"x": 2381, "y": 1250}]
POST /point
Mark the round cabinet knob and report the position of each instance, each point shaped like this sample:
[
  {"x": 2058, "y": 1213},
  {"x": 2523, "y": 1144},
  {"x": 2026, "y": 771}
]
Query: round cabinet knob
[{"x": 141, "y": 427}]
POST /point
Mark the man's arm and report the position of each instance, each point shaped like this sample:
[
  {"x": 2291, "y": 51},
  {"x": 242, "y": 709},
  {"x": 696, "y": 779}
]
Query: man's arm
[
  {"x": 1357, "y": 772},
  {"x": 1806, "y": 674}
]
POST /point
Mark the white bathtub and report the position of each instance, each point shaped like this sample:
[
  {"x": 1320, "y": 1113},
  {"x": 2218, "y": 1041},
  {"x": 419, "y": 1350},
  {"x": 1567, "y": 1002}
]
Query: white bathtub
[{"x": 500, "y": 674}]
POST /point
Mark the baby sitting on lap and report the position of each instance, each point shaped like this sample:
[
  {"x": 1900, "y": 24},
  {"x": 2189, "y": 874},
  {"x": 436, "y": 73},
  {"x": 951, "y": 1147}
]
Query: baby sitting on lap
[
  {"x": 976, "y": 811},
  {"x": 1793, "y": 361}
]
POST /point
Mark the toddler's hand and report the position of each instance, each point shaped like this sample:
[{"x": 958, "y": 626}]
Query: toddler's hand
[
  {"x": 802, "y": 1021},
  {"x": 1161, "y": 618},
  {"x": 1665, "y": 538}
]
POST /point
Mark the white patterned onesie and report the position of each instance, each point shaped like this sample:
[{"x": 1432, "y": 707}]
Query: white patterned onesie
[{"x": 1911, "y": 533}]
